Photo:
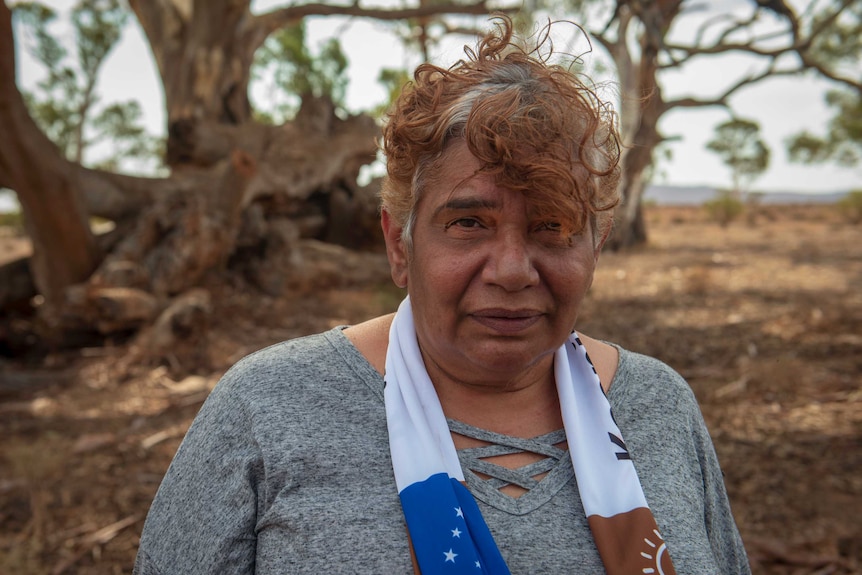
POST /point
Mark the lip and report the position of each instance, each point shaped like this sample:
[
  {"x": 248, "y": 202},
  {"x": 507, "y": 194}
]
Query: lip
[{"x": 507, "y": 321}]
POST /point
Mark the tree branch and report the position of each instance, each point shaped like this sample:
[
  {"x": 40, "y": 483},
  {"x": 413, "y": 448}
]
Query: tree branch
[
  {"x": 722, "y": 99},
  {"x": 797, "y": 44},
  {"x": 275, "y": 19}
]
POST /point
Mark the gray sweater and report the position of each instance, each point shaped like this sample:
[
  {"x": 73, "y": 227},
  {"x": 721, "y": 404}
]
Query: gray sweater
[{"x": 286, "y": 469}]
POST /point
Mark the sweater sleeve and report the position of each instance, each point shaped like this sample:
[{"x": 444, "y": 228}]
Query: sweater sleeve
[
  {"x": 677, "y": 464},
  {"x": 203, "y": 517},
  {"x": 724, "y": 537}
]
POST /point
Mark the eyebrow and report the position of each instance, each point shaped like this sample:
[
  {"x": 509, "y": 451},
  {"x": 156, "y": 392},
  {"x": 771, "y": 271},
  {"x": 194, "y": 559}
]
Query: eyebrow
[{"x": 458, "y": 204}]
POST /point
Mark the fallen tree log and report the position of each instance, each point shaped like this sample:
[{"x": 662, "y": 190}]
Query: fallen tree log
[{"x": 241, "y": 213}]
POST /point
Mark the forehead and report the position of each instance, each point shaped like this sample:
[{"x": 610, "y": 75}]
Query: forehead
[
  {"x": 457, "y": 185},
  {"x": 544, "y": 192},
  {"x": 455, "y": 173}
]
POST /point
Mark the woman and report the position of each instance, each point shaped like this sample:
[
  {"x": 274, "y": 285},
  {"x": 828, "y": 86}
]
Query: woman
[{"x": 471, "y": 432}]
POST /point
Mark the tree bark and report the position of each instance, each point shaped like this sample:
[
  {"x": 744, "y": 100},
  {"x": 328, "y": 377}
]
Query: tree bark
[
  {"x": 64, "y": 249},
  {"x": 641, "y": 109},
  {"x": 239, "y": 193},
  {"x": 204, "y": 53}
]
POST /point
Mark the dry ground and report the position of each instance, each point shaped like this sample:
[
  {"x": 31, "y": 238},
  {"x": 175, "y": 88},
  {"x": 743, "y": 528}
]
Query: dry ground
[{"x": 764, "y": 319}]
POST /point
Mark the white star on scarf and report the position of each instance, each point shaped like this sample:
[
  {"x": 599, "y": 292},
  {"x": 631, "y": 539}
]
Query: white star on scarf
[
  {"x": 450, "y": 556},
  {"x": 458, "y": 512},
  {"x": 456, "y": 533}
]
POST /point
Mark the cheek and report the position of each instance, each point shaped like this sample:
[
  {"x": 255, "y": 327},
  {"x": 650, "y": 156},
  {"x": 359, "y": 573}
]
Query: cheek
[
  {"x": 442, "y": 275},
  {"x": 571, "y": 280}
]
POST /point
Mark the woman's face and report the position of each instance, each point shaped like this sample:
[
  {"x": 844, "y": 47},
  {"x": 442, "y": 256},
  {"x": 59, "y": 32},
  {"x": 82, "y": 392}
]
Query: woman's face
[{"x": 494, "y": 290}]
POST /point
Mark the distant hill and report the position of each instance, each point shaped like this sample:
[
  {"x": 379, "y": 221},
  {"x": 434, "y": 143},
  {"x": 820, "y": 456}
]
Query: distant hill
[
  {"x": 660, "y": 194},
  {"x": 664, "y": 195}
]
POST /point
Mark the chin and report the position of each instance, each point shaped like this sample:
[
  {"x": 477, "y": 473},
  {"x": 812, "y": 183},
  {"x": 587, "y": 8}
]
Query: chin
[{"x": 508, "y": 361}]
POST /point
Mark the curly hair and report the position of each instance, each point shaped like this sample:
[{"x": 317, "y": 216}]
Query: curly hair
[{"x": 534, "y": 126}]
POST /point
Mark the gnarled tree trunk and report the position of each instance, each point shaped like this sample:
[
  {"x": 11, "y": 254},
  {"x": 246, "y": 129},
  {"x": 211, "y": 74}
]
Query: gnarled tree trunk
[
  {"x": 173, "y": 231},
  {"x": 240, "y": 194},
  {"x": 65, "y": 250}
]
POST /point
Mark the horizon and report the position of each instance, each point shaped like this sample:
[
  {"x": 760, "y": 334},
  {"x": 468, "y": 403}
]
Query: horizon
[{"x": 661, "y": 194}]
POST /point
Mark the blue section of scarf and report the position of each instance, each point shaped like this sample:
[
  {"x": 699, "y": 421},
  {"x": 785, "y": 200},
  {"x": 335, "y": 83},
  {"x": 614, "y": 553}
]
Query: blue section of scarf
[{"x": 448, "y": 532}]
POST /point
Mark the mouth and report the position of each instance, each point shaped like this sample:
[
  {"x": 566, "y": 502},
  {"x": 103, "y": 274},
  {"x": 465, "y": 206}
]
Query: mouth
[{"x": 507, "y": 321}]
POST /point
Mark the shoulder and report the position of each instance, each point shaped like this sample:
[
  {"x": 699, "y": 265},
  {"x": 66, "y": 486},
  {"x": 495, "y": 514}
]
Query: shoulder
[
  {"x": 604, "y": 357},
  {"x": 296, "y": 354},
  {"x": 642, "y": 380},
  {"x": 371, "y": 338},
  {"x": 307, "y": 362}
]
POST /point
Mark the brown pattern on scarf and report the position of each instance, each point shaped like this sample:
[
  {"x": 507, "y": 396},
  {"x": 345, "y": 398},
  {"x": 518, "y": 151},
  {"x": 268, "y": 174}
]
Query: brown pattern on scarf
[{"x": 630, "y": 544}]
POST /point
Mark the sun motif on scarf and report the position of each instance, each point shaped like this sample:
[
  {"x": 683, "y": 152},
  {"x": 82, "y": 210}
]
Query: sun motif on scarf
[{"x": 657, "y": 555}]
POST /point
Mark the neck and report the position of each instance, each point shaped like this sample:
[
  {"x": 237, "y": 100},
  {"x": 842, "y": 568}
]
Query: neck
[{"x": 524, "y": 406}]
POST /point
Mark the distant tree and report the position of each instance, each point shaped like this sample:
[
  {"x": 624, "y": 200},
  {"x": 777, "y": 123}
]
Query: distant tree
[
  {"x": 837, "y": 50},
  {"x": 646, "y": 39},
  {"x": 393, "y": 81},
  {"x": 842, "y": 142},
  {"x": 738, "y": 143},
  {"x": 724, "y": 208},
  {"x": 851, "y": 206}
]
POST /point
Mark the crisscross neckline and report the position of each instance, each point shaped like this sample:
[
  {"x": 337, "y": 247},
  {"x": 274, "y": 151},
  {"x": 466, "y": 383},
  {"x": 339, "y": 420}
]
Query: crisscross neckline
[{"x": 557, "y": 464}]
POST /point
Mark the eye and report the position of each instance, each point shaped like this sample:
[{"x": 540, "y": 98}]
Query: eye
[
  {"x": 467, "y": 223},
  {"x": 551, "y": 233},
  {"x": 548, "y": 227}
]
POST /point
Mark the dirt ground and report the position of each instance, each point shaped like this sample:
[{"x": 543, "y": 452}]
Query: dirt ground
[{"x": 764, "y": 319}]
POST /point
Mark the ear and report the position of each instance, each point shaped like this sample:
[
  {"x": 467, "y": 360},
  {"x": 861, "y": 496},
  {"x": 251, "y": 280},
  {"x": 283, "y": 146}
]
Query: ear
[
  {"x": 605, "y": 235},
  {"x": 601, "y": 243},
  {"x": 395, "y": 248}
]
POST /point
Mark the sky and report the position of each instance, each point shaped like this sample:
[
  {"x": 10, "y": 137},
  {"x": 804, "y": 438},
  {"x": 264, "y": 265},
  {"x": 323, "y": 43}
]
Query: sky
[{"x": 783, "y": 106}]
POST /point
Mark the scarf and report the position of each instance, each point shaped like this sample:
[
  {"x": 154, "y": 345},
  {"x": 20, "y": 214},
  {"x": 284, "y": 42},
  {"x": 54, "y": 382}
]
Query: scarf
[{"x": 447, "y": 531}]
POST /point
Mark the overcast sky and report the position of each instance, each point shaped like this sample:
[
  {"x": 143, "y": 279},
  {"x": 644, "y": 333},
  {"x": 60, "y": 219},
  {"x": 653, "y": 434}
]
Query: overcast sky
[{"x": 783, "y": 106}]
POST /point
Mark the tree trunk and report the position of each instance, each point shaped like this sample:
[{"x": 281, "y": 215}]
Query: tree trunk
[
  {"x": 240, "y": 194},
  {"x": 204, "y": 52},
  {"x": 629, "y": 226},
  {"x": 642, "y": 106},
  {"x": 64, "y": 249}
]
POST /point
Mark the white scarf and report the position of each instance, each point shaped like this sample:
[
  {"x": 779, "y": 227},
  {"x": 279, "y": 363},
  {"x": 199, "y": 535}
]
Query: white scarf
[{"x": 447, "y": 530}]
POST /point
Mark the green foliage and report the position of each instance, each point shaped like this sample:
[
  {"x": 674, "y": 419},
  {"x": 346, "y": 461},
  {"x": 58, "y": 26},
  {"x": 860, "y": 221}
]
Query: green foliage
[
  {"x": 725, "y": 208},
  {"x": 394, "y": 82},
  {"x": 64, "y": 104},
  {"x": 291, "y": 71},
  {"x": 837, "y": 49},
  {"x": 738, "y": 143},
  {"x": 851, "y": 206},
  {"x": 840, "y": 43},
  {"x": 842, "y": 142},
  {"x": 120, "y": 124}
]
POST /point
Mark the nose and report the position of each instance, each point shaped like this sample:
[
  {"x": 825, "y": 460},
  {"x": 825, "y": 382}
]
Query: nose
[{"x": 509, "y": 263}]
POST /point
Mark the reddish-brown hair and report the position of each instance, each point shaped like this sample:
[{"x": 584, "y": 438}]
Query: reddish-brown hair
[{"x": 534, "y": 126}]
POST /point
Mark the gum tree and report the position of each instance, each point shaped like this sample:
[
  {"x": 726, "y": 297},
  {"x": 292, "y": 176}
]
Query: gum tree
[
  {"x": 739, "y": 145},
  {"x": 645, "y": 40},
  {"x": 236, "y": 186}
]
